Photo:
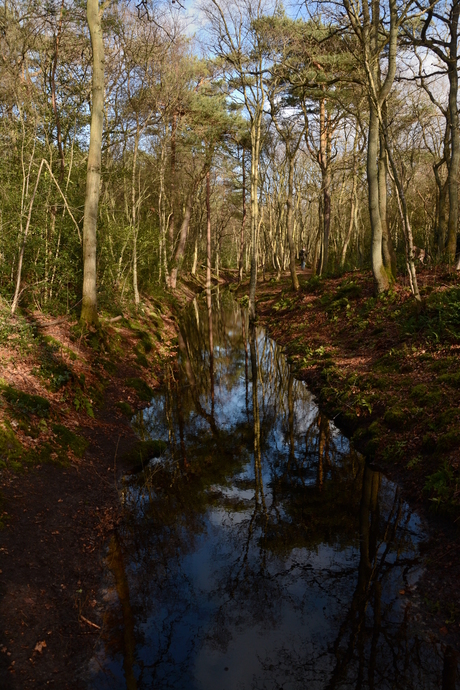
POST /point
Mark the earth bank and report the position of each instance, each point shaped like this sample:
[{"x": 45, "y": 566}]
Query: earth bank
[{"x": 66, "y": 400}]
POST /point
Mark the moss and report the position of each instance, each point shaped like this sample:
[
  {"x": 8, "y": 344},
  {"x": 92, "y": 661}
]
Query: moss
[
  {"x": 444, "y": 364},
  {"x": 142, "y": 389},
  {"x": 395, "y": 417},
  {"x": 142, "y": 360},
  {"x": 109, "y": 366},
  {"x": 125, "y": 408},
  {"x": 429, "y": 443},
  {"x": 313, "y": 284},
  {"x": 448, "y": 416},
  {"x": 375, "y": 429},
  {"x": 419, "y": 391},
  {"x": 10, "y": 448},
  {"x": 451, "y": 379},
  {"x": 393, "y": 361},
  {"x": 448, "y": 441},
  {"x": 349, "y": 289},
  {"x": 432, "y": 398},
  {"x": 67, "y": 439},
  {"x": 28, "y": 428},
  {"x": 140, "y": 454},
  {"x": 144, "y": 336},
  {"x": 425, "y": 396},
  {"x": 24, "y": 403}
]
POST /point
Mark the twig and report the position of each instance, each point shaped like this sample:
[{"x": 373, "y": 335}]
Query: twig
[
  {"x": 115, "y": 464},
  {"x": 93, "y": 625}
]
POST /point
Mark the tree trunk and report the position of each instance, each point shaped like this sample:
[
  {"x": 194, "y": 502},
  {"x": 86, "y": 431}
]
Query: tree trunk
[
  {"x": 134, "y": 219},
  {"x": 255, "y": 151},
  {"x": 295, "y": 280},
  {"x": 325, "y": 144},
  {"x": 409, "y": 242},
  {"x": 195, "y": 257},
  {"x": 208, "y": 231},
  {"x": 352, "y": 220},
  {"x": 208, "y": 286},
  {"x": 172, "y": 187},
  {"x": 380, "y": 276},
  {"x": 57, "y": 39},
  {"x": 18, "y": 291},
  {"x": 93, "y": 173},
  {"x": 388, "y": 252},
  {"x": 243, "y": 223},
  {"x": 441, "y": 220},
  {"x": 180, "y": 251},
  {"x": 452, "y": 180}
]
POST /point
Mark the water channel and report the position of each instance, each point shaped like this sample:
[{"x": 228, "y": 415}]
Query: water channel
[{"x": 259, "y": 551}]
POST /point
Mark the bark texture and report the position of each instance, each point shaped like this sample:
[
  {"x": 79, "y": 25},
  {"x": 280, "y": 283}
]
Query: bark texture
[{"x": 93, "y": 174}]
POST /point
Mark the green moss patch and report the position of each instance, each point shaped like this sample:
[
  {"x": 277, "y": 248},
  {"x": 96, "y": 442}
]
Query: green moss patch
[
  {"x": 141, "y": 359},
  {"x": 142, "y": 389},
  {"x": 125, "y": 408},
  {"x": 68, "y": 440},
  {"x": 11, "y": 451},
  {"x": 448, "y": 441},
  {"x": 451, "y": 379},
  {"x": 24, "y": 403}
]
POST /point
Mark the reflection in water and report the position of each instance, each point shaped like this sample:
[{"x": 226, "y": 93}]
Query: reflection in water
[{"x": 260, "y": 552}]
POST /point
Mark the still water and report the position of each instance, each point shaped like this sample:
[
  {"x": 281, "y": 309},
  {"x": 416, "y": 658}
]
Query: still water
[{"x": 259, "y": 552}]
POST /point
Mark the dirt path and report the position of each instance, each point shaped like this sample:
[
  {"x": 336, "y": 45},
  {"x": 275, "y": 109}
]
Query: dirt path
[{"x": 59, "y": 521}]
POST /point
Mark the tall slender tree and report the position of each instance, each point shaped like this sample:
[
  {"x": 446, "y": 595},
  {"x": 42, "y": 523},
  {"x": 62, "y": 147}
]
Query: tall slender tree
[{"x": 88, "y": 314}]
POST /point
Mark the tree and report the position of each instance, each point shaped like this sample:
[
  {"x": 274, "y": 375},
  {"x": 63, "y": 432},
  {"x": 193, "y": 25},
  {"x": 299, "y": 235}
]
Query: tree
[
  {"x": 88, "y": 314},
  {"x": 291, "y": 134},
  {"x": 207, "y": 122},
  {"x": 242, "y": 51},
  {"x": 441, "y": 18}
]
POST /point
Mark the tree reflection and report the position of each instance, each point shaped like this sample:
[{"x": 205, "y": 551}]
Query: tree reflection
[{"x": 261, "y": 537}]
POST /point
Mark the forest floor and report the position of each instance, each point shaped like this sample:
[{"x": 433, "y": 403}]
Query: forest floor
[
  {"x": 387, "y": 372},
  {"x": 66, "y": 401}
]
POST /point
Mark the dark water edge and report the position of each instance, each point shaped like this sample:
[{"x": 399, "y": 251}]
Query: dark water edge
[{"x": 260, "y": 551}]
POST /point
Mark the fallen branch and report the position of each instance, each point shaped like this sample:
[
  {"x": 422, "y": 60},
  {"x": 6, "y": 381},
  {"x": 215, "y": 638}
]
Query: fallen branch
[
  {"x": 44, "y": 324},
  {"x": 114, "y": 318}
]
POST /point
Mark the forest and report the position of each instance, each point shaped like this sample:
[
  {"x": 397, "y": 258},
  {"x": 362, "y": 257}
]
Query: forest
[
  {"x": 332, "y": 128},
  {"x": 229, "y": 344}
]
